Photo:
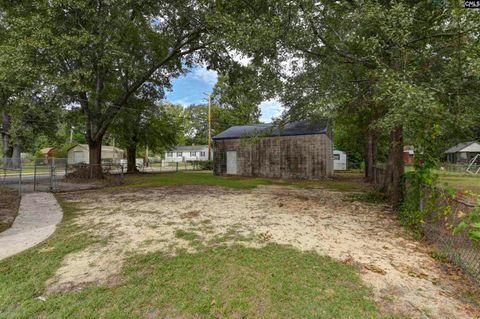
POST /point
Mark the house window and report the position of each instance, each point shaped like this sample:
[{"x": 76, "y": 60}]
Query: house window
[
  {"x": 202, "y": 154},
  {"x": 179, "y": 154},
  {"x": 193, "y": 154},
  {"x": 170, "y": 154},
  {"x": 336, "y": 157}
]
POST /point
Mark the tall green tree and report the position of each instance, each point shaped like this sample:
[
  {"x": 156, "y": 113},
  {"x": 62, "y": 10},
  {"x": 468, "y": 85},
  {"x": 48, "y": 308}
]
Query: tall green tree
[
  {"x": 145, "y": 124},
  {"x": 28, "y": 107},
  {"x": 100, "y": 53},
  {"x": 403, "y": 69}
]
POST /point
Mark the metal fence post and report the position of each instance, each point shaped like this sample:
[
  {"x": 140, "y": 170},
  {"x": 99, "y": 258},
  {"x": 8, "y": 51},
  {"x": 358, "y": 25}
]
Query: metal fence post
[
  {"x": 176, "y": 166},
  {"x": 34, "y": 174},
  {"x": 51, "y": 174},
  {"x": 20, "y": 180}
]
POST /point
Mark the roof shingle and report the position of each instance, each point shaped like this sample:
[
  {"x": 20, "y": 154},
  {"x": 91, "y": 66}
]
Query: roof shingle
[
  {"x": 270, "y": 130},
  {"x": 459, "y": 147}
]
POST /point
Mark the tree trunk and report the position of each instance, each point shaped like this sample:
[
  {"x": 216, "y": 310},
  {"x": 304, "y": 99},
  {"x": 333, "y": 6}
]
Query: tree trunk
[
  {"x": 398, "y": 168},
  {"x": 371, "y": 158},
  {"x": 7, "y": 148},
  {"x": 393, "y": 184},
  {"x": 131, "y": 159},
  {"x": 95, "y": 158},
  {"x": 16, "y": 157}
]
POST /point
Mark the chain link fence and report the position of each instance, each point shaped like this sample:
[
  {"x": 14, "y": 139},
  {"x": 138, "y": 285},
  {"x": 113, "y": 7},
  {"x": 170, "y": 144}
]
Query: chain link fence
[
  {"x": 56, "y": 174},
  {"x": 438, "y": 227},
  {"x": 164, "y": 166},
  {"x": 466, "y": 168}
]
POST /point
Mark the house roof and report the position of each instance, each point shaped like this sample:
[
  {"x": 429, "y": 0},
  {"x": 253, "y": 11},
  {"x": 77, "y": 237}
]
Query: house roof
[
  {"x": 460, "y": 146},
  {"x": 189, "y": 148},
  {"x": 410, "y": 149},
  {"x": 46, "y": 150},
  {"x": 270, "y": 129},
  {"x": 104, "y": 148}
]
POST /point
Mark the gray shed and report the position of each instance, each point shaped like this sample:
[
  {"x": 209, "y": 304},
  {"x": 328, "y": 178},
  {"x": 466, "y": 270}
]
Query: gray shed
[
  {"x": 463, "y": 152},
  {"x": 298, "y": 150}
]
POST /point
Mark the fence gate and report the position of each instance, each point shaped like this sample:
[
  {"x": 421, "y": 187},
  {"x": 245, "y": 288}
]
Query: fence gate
[
  {"x": 39, "y": 174},
  {"x": 56, "y": 174}
]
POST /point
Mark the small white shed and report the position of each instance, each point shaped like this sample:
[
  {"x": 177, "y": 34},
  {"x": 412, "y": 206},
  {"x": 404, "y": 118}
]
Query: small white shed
[
  {"x": 339, "y": 160},
  {"x": 80, "y": 154}
]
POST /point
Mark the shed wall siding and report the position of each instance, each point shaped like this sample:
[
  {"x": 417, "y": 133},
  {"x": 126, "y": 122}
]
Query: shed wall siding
[
  {"x": 77, "y": 148},
  {"x": 296, "y": 157}
]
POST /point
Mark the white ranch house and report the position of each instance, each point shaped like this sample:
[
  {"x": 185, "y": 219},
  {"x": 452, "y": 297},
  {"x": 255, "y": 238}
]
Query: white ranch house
[
  {"x": 187, "y": 153},
  {"x": 80, "y": 154}
]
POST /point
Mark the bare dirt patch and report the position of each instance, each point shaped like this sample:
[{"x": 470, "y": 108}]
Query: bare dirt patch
[
  {"x": 9, "y": 202},
  {"x": 403, "y": 276}
]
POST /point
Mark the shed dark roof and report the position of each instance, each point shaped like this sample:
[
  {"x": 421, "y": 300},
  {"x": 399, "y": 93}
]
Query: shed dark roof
[
  {"x": 270, "y": 129},
  {"x": 459, "y": 147}
]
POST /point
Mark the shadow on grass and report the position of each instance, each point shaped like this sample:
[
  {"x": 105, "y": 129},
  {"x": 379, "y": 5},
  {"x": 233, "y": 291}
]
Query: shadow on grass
[{"x": 205, "y": 178}]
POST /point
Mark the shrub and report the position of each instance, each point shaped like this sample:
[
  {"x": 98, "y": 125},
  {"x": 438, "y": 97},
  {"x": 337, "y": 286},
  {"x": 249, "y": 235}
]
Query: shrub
[
  {"x": 206, "y": 165},
  {"x": 203, "y": 165}
]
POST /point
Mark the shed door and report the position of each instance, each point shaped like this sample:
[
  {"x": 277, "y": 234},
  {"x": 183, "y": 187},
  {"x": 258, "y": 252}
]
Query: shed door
[
  {"x": 231, "y": 162},
  {"x": 77, "y": 157}
]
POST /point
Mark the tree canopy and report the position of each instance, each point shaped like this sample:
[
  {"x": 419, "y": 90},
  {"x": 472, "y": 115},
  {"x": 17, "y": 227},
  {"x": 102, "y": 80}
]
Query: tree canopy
[{"x": 388, "y": 73}]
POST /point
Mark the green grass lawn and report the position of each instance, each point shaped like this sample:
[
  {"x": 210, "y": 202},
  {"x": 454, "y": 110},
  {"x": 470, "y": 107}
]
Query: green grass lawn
[
  {"x": 28, "y": 170},
  {"x": 461, "y": 182},
  {"x": 221, "y": 282},
  {"x": 207, "y": 178},
  {"x": 218, "y": 281}
]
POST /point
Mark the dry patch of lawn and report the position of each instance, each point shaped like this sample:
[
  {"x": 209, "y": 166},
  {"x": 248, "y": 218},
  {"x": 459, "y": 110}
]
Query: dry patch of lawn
[
  {"x": 181, "y": 220},
  {"x": 9, "y": 202}
]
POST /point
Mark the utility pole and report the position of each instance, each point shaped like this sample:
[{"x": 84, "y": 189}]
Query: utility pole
[
  {"x": 146, "y": 163},
  {"x": 71, "y": 134},
  {"x": 209, "y": 127}
]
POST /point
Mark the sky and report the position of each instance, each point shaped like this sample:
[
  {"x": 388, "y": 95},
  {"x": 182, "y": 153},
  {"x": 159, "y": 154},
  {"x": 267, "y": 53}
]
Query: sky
[{"x": 193, "y": 88}]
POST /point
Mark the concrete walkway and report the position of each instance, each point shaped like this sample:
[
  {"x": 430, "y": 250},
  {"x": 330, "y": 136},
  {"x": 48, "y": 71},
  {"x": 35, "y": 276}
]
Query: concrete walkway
[{"x": 38, "y": 215}]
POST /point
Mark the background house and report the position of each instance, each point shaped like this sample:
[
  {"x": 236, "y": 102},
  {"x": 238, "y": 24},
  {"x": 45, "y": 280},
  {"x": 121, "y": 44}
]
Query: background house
[
  {"x": 339, "y": 160},
  {"x": 47, "y": 152},
  {"x": 463, "y": 153},
  {"x": 80, "y": 154},
  {"x": 298, "y": 150},
  {"x": 408, "y": 154},
  {"x": 187, "y": 153}
]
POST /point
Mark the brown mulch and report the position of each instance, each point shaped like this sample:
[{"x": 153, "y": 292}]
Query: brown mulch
[{"x": 9, "y": 203}]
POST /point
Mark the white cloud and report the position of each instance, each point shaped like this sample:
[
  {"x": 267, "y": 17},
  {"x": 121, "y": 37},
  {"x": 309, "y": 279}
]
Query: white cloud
[
  {"x": 270, "y": 109},
  {"x": 240, "y": 58},
  {"x": 184, "y": 102},
  {"x": 202, "y": 74},
  {"x": 292, "y": 66}
]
